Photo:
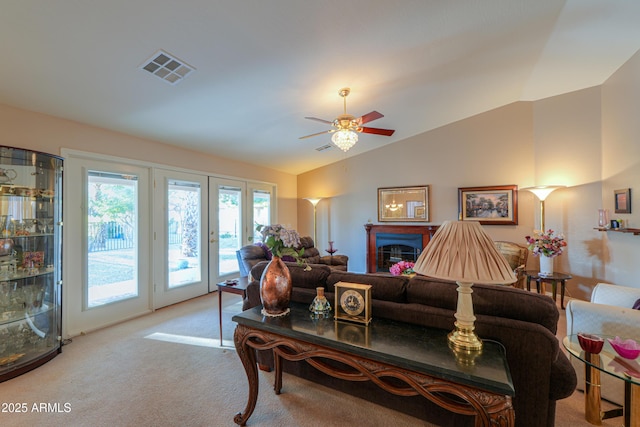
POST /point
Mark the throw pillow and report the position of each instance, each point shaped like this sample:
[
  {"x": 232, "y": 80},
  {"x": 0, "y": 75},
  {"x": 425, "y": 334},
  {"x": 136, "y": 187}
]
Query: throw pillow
[
  {"x": 267, "y": 252},
  {"x": 636, "y": 305}
]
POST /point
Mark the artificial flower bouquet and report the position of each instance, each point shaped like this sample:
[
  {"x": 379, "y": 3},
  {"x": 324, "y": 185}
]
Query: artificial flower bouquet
[
  {"x": 545, "y": 243},
  {"x": 282, "y": 242},
  {"x": 402, "y": 268}
]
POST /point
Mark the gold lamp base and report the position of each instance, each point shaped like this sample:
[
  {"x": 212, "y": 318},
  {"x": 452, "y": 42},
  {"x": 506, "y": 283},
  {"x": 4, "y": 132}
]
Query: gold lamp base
[{"x": 464, "y": 339}]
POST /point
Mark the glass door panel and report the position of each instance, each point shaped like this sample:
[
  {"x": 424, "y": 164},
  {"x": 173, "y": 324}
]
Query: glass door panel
[
  {"x": 261, "y": 212},
  {"x": 261, "y": 207},
  {"x": 230, "y": 225},
  {"x": 184, "y": 227},
  {"x": 112, "y": 237},
  {"x": 180, "y": 237}
]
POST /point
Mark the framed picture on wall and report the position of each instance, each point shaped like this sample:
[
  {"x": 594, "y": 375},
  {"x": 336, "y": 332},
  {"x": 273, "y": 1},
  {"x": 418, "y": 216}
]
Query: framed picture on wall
[
  {"x": 402, "y": 204},
  {"x": 622, "y": 200},
  {"x": 494, "y": 205}
]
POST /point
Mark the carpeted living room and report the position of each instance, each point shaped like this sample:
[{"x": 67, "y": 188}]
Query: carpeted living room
[
  {"x": 168, "y": 368},
  {"x": 455, "y": 179}
]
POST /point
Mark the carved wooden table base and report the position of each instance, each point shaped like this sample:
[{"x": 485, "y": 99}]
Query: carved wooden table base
[{"x": 489, "y": 409}]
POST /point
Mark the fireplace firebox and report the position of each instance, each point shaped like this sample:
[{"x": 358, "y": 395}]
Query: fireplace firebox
[{"x": 389, "y": 244}]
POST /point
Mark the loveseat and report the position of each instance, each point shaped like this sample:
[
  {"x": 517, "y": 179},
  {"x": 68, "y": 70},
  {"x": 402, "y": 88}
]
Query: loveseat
[
  {"x": 610, "y": 312},
  {"x": 250, "y": 255},
  {"x": 524, "y": 322}
]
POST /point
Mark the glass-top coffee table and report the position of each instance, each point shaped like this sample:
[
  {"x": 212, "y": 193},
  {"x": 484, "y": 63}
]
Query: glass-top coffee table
[
  {"x": 478, "y": 384},
  {"x": 610, "y": 363}
]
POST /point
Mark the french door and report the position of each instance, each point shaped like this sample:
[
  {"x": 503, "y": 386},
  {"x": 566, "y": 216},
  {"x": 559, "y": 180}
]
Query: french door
[
  {"x": 179, "y": 237},
  {"x": 235, "y": 208},
  {"x": 106, "y": 243},
  {"x": 140, "y": 237}
]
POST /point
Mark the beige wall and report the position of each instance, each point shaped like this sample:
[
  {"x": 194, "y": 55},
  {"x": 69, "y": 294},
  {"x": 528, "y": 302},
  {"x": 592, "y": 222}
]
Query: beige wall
[
  {"x": 621, "y": 169},
  {"x": 576, "y": 139},
  {"x": 493, "y": 148},
  {"x": 40, "y": 132}
]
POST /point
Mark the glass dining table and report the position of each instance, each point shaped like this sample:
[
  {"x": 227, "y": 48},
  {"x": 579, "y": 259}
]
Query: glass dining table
[{"x": 610, "y": 363}]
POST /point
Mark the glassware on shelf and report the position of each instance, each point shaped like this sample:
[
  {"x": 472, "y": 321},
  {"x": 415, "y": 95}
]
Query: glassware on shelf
[
  {"x": 603, "y": 218},
  {"x": 4, "y": 225},
  {"x": 45, "y": 225}
]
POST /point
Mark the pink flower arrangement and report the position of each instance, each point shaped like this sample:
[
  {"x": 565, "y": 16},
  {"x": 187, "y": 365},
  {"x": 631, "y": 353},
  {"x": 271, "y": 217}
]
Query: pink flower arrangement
[
  {"x": 546, "y": 244},
  {"x": 403, "y": 267}
]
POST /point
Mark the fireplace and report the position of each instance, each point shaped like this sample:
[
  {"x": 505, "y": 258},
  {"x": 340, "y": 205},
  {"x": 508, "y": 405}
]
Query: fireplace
[
  {"x": 389, "y": 244},
  {"x": 393, "y": 247}
]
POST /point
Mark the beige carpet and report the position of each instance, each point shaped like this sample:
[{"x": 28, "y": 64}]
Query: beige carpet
[{"x": 167, "y": 369}]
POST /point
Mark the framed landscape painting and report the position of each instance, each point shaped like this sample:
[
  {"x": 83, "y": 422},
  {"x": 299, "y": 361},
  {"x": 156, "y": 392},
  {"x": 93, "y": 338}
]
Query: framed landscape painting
[{"x": 494, "y": 205}]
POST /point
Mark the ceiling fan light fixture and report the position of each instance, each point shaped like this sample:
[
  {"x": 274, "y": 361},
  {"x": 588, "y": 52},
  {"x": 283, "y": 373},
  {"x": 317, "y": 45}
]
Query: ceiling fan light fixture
[{"x": 345, "y": 139}]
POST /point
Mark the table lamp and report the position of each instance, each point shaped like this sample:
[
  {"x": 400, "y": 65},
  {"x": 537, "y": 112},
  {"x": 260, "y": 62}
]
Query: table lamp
[{"x": 461, "y": 251}]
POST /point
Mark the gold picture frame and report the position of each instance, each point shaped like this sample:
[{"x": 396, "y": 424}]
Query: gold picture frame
[
  {"x": 403, "y": 204},
  {"x": 493, "y": 205}
]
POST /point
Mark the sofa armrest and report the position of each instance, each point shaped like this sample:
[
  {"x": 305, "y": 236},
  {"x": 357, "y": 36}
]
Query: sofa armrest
[
  {"x": 621, "y": 296},
  {"x": 334, "y": 260},
  {"x": 563, "y": 378},
  {"x": 583, "y": 316},
  {"x": 253, "y": 296}
]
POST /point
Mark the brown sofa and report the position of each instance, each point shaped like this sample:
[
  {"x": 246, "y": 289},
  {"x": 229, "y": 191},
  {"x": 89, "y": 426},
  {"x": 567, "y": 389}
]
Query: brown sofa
[
  {"x": 524, "y": 322},
  {"x": 250, "y": 255}
]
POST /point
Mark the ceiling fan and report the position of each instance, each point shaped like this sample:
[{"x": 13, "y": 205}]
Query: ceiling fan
[{"x": 347, "y": 127}]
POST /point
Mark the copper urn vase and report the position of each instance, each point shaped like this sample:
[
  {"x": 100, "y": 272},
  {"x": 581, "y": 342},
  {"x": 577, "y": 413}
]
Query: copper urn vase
[{"x": 275, "y": 288}]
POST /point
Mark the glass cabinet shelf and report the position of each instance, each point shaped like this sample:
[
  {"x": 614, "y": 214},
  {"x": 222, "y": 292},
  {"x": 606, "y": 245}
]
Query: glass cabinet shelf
[{"x": 30, "y": 260}]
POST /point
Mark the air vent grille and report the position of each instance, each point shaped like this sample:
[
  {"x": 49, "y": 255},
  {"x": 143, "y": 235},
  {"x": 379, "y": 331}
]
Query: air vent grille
[
  {"x": 167, "y": 67},
  {"x": 324, "y": 147}
]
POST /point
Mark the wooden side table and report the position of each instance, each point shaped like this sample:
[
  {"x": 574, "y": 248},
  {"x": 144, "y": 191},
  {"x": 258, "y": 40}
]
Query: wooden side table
[
  {"x": 235, "y": 286},
  {"x": 554, "y": 279}
]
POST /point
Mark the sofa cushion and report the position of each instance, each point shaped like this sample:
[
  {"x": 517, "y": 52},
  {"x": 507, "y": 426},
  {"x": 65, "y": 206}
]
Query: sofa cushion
[
  {"x": 491, "y": 300},
  {"x": 301, "y": 278},
  {"x": 389, "y": 288}
]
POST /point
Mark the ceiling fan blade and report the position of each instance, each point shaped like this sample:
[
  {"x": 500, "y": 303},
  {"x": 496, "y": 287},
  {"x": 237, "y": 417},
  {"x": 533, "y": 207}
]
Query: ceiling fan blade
[
  {"x": 319, "y": 120},
  {"x": 316, "y": 134},
  {"x": 377, "y": 131},
  {"x": 369, "y": 117}
]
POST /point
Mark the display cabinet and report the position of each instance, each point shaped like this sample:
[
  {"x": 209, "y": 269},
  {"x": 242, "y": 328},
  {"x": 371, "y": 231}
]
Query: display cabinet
[{"x": 30, "y": 259}]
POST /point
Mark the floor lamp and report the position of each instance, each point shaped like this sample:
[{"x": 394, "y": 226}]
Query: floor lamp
[
  {"x": 542, "y": 191},
  {"x": 314, "y": 201}
]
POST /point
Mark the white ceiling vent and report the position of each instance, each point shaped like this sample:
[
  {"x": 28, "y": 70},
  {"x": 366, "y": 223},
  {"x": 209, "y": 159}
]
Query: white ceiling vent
[
  {"x": 324, "y": 147},
  {"x": 169, "y": 68}
]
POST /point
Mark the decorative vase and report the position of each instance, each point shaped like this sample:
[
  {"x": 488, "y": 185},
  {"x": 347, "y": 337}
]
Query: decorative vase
[
  {"x": 275, "y": 288},
  {"x": 546, "y": 265},
  {"x": 320, "y": 305}
]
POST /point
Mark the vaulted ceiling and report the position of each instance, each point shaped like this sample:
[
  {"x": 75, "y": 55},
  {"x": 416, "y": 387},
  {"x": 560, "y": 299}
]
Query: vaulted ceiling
[{"x": 262, "y": 66}]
